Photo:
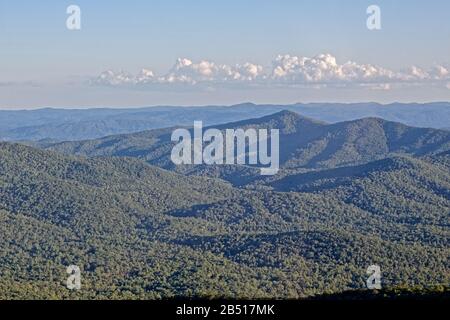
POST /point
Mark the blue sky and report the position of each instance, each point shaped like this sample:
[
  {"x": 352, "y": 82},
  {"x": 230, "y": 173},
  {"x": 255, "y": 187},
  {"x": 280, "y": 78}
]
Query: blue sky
[{"x": 44, "y": 64}]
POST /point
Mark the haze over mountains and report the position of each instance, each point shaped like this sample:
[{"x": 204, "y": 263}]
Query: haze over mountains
[
  {"x": 73, "y": 124},
  {"x": 349, "y": 194}
]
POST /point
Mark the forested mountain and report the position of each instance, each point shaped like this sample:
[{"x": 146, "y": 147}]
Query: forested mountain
[
  {"x": 77, "y": 124},
  {"x": 348, "y": 195},
  {"x": 304, "y": 144}
]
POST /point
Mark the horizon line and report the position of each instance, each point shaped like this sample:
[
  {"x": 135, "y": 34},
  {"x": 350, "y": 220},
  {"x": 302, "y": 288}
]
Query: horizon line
[{"x": 215, "y": 105}]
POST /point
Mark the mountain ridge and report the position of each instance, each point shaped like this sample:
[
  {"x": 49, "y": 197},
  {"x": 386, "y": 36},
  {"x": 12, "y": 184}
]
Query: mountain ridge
[
  {"x": 141, "y": 232},
  {"x": 348, "y": 195},
  {"x": 304, "y": 144},
  {"x": 79, "y": 124}
]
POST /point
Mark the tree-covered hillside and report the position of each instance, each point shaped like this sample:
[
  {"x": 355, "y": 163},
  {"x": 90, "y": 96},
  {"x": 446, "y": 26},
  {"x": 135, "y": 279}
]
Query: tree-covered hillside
[
  {"x": 305, "y": 144},
  {"x": 138, "y": 231}
]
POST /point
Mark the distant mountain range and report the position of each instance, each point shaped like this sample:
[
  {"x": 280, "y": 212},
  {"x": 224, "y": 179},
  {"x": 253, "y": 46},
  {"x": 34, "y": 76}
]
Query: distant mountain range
[
  {"x": 349, "y": 194},
  {"x": 77, "y": 124}
]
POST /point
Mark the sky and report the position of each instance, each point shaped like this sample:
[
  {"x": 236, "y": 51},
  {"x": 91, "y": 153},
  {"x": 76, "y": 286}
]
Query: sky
[{"x": 179, "y": 52}]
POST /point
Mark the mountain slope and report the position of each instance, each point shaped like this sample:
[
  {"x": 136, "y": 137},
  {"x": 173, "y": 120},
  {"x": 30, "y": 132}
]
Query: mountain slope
[
  {"x": 138, "y": 231},
  {"x": 70, "y": 190},
  {"x": 400, "y": 188},
  {"x": 304, "y": 144}
]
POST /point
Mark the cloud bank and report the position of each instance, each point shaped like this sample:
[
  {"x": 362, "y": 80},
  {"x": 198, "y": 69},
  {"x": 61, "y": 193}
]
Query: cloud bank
[{"x": 285, "y": 70}]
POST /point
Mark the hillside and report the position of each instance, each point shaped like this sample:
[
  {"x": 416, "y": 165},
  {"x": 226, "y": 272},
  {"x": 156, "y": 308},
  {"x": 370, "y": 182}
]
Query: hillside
[
  {"x": 398, "y": 189},
  {"x": 304, "y": 144},
  {"x": 139, "y": 231}
]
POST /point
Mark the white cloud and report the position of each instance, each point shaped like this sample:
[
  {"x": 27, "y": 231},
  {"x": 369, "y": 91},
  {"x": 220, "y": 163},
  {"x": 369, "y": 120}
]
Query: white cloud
[
  {"x": 418, "y": 73},
  {"x": 145, "y": 76},
  {"x": 112, "y": 78},
  {"x": 321, "y": 70},
  {"x": 185, "y": 71},
  {"x": 440, "y": 72},
  {"x": 325, "y": 69}
]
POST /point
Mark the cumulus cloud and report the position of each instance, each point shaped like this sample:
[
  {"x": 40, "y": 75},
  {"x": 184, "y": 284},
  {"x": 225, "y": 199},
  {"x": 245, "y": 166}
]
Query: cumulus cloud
[
  {"x": 112, "y": 78},
  {"x": 321, "y": 70},
  {"x": 186, "y": 71},
  {"x": 145, "y": 76},
  {"x": 440, "y": 72},
  {"x": 325, "y": 69}
]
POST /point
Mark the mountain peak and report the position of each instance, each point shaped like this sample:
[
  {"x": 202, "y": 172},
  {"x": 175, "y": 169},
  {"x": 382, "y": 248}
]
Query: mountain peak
[
  {"x": 286, "y": 121},
  {"x": 243, "y": 105},
  {"x": 290, "y": 122}
]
